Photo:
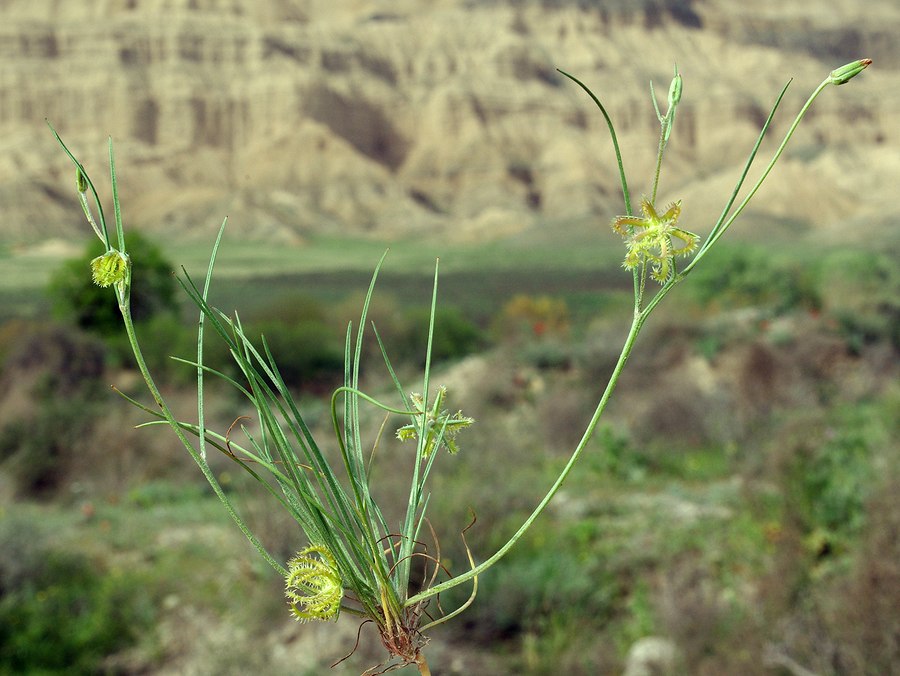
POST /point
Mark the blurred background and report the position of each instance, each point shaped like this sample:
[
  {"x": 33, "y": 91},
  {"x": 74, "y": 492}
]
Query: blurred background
[{"x": 735, "y": 513}]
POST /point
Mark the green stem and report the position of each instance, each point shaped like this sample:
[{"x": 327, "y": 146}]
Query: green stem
[
  {"x": 422, "y": 664},
  {"x": 615, "y": 141},
  {"x": 636, "y": 325},
  {"x": 124, "y": 298},
  {"x": 718, "y": 232},
  {"x": 659, "y": 157}
]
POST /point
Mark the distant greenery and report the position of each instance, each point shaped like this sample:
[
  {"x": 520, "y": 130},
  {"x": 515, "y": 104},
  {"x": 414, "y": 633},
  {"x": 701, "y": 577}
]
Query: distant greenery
[
  {"x": 61, "y": 613},
  {"x": 76, "y": 299},
  {"x": 863, "y": 294},
  {"x": 57, "y": 374},
  {"x": 455, "y": 336},
  {"x": 744, "y": 276}
]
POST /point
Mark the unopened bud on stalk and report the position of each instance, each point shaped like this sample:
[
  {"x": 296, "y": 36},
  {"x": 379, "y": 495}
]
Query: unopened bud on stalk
[
  {"x": 80, "y": 181},
  {"x": 675, "y": 90},
  {"x": 846, "y": 73}
]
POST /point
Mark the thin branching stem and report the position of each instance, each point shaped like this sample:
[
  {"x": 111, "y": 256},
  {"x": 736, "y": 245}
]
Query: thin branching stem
[
  {"x": 636, "y": 325},
  {"x": 125, "y": 308}
]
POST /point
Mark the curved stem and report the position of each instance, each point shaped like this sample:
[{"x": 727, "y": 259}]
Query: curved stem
[
  {"x": 615, "y": 141},
  {"x": 719, "y": 231},
  {"x": 124, "y": 297},
  {"x": 636, "y": 324}
]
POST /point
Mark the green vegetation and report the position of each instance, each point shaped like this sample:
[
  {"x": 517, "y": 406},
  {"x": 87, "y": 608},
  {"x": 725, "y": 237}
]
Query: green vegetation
[
  {"x": 789, "y": 520},
  {"x": 79, "y": 301},
  {"x": 671, "y": 527},
  {"x": 60, "y": 613}
]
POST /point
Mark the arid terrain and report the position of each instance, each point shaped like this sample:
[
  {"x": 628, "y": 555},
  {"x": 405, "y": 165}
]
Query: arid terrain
[{"x": 448, "y": 118}]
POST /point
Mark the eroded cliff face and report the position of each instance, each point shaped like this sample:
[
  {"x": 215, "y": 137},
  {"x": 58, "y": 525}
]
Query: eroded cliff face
[{"x": 391, "y": 118}]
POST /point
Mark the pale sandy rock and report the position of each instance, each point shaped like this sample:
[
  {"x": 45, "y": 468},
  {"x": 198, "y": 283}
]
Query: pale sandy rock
[
  {"x": 396, "y": 118},
  {"x": 651, "y": 656}
]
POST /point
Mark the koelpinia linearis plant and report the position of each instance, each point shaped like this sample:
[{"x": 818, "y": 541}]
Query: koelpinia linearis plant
[{"x": 354, "y": 561}]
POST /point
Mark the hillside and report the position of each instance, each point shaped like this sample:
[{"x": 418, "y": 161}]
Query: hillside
[{"x": 390, "y": 119}]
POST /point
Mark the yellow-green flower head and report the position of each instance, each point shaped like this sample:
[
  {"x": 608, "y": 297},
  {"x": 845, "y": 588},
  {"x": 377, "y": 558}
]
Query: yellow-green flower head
[
  {"x": 654, "y": 239},
  {"x": 110, "y": 268},
  {"x": 313, "y": 585},
  {"x": 440, "y": 426}
]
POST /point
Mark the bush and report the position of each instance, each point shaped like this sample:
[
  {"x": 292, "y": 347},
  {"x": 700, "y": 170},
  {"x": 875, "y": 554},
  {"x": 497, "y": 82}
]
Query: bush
[
  {"x": 454, "y": 335},
  {"x": 862, "y": 294},
  {"x": 172, "y": 337},
  {"x": 36, "y": 450},
  {"x": 76, "y": 299},
  {"x": 59, "y": 613},
  {"x": 830, "y": 478},
  {"x": 549, "y": 575},
  {"x": 744, "y": 276},
  {"x": 308, "y": 353},
  {"x": 526, "y": 317},
  {"x": 50, "y": 394}
]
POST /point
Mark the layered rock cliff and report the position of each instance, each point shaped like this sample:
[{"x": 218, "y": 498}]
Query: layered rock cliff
[{"x": 405, "y": 117}]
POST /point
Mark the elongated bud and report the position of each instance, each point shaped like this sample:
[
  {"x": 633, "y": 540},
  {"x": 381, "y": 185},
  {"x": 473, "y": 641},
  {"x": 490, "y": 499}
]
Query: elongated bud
[
  {"x": 846, "y": 73},
  {"x": 675, "y": 90},
  {"x": 80, "y": 181}
]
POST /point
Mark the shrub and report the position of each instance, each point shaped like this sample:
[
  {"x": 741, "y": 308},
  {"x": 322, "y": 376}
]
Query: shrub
[
  {"x": 172, "y": 337},
  {"x": 36, "y": 450},
  {"x": 547, "y": 577},
  {"x": 528, "y": 317},
  {"x": 49, "y": 383},
  {"x": 76, "y": 299},
  {"x": 309, "y": 353},
  {"x": 454, "y": 335},
  {"x": 862, "y": 294},
  {"x": 748, "y": 276},
  {"x": 59, "y": 613}
]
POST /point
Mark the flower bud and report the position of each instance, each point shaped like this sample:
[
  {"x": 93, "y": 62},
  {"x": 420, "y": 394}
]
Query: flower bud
[
  {"x": 845, "y": 73},
  {"x": 675, "y": 90},
  {"x": 80, "y": 181}
]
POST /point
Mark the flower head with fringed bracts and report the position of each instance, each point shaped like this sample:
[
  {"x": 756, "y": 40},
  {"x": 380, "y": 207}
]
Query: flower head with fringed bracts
[
  {"x": 440, "y": 426},
  {"x": 110, "y": 268},
  {"x": 313, "y": 585},
  {"x": 655, "y": 239}
]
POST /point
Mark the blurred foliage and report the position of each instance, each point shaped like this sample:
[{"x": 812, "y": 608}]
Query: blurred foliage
[
  {"x": 454, "y": 336},
  {"x": 309, "y": 354},
  {"x": 740, "y": 276},
  {"x": 61, "y": 613},
  {"x": 53, "y": 376},
  {"x": 549, "y": 574},
  {"x": 36, "y": 450},
  {"x": 862, "y": 292},
  {"x": 830, "y": 474},
  {"x": 404, "y": 330},
  {"x": 76, "y": 299},
  {"x": 526, "y": 317}
]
